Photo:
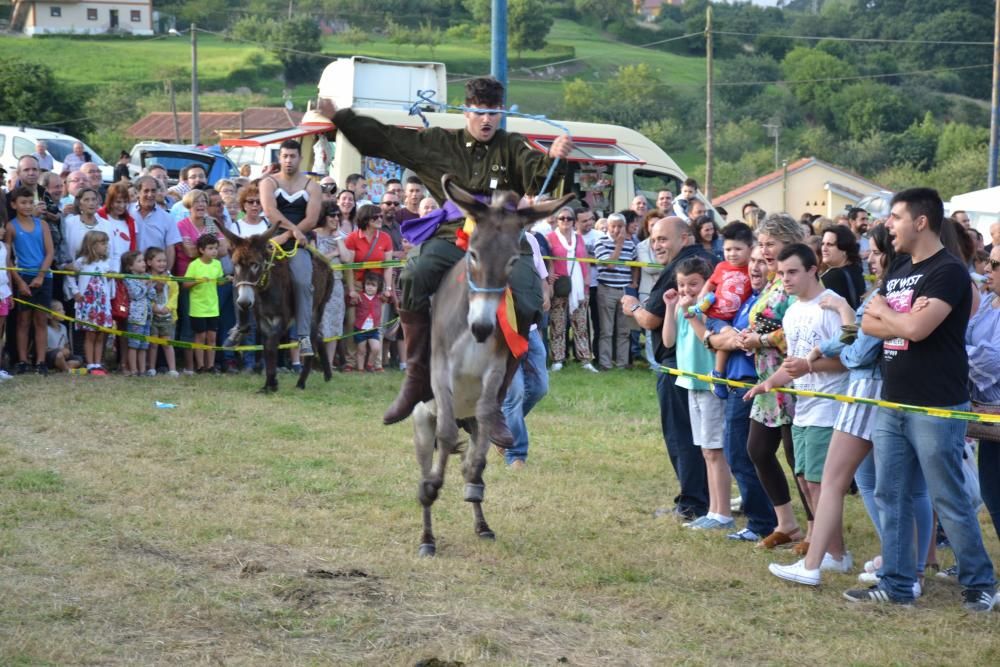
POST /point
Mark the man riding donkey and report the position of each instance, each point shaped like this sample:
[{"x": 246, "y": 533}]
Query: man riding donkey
[{"x": 483, "y": 159}]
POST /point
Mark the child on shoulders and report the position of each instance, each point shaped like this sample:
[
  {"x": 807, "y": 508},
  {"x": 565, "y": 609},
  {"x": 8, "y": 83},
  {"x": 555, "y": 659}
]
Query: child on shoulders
[{"x": 729, "y": 287}]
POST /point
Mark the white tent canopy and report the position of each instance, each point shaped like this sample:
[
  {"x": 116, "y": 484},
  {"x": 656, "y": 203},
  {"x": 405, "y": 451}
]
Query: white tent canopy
[{"x": 983, "y": 207}]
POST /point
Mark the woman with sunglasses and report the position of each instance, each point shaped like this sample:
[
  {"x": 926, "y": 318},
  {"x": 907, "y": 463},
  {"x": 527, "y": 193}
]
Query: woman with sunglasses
[{"x": 368, "y": 243}]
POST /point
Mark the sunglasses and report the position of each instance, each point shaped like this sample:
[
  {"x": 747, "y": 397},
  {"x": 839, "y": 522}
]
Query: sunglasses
[
  {"x": 390, "y": 203},
  {"x": 253, "y": 201},
  {"x": 564, "y": 217}
]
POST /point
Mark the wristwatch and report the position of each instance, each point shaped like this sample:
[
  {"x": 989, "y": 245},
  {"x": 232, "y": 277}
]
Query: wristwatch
[{"x": 635, "y": 307}]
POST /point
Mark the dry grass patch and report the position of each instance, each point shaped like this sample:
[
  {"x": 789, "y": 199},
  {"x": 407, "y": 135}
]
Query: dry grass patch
[{"x": 250, "y": 530}]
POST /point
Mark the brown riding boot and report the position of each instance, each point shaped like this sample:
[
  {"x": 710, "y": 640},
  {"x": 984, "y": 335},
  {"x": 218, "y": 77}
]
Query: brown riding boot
[
  {"x": 417, "y": 384},
  {"x": 501, "y": 435}
]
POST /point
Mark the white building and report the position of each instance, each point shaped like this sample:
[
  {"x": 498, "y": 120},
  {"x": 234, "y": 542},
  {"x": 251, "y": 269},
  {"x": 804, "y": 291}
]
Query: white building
[{"x": 82, "y": 17}]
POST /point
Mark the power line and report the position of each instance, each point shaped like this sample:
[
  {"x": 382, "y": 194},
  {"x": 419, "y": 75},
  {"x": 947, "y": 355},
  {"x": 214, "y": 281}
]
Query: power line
[{"x": 873, "y": 40}]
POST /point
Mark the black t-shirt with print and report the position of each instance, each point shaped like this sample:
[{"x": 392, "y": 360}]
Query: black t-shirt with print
[{"x": 934, "y": 371}]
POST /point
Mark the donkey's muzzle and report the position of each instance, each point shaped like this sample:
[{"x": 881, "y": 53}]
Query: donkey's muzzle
[{"x": 482, "y": 331}]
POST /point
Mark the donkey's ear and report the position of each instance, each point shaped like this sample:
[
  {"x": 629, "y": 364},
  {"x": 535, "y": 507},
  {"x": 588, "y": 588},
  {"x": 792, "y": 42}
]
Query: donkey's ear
[
  {"x": 543, "y": 210},
  {"x": 462, "y": 199},
  {"x": 271, "y": 232},
  {"x": 233, "y": 239}
]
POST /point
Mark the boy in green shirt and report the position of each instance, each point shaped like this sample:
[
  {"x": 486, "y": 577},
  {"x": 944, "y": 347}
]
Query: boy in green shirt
[{"x": 205, "y": 299}]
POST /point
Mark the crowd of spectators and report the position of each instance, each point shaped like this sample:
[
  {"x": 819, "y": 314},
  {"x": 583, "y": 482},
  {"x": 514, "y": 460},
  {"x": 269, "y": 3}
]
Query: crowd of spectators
[{"x": 903, "y": 309}]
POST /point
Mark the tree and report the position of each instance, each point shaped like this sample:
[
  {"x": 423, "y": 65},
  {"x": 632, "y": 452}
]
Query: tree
[
  {"x": 355, "y": 36},
  {"x": 578, "y": 100},
  {"x": 743, "y": 71},
  {"x": 529, "y": 25},
  {"x": 814, "y": 77},
  {"x": 31, "y": 95},
  {"x": 959, "y": 138},
  {"x": 295, "y": 42},
  {"x": 603, "y": 12},
  {"x": 862, "y": 108}
]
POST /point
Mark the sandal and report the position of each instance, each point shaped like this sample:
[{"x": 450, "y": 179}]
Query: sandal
[
  {"x": 777, "y": 538},
  {"x": 801, "y": 549}
]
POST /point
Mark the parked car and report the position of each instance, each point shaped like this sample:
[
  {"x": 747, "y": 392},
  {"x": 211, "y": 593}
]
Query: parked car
[
  {"x": 18, "y": 141},
  {"x": 175, "y": 157}
]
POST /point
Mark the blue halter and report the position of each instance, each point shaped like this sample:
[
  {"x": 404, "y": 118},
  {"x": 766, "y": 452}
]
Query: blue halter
[{"x": 476, "y": 289}]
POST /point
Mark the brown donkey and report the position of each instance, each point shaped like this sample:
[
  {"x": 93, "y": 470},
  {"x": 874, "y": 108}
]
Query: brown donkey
[
  {"x": 468, "y": 353},
  {"x": 263, "y": 281}
]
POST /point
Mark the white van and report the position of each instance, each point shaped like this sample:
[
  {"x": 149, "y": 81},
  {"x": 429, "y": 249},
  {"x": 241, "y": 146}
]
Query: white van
[
  {"x": 608, "y": 167},
  {"x": 18, "y": 141}
]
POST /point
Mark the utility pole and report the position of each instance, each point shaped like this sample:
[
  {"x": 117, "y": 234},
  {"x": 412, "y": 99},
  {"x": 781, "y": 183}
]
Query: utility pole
[
  {"x": 498, "y": 47},
  {"x": 995, "y": 102},
  {"x": 708, "y": 102},
  {"x": 773, "y": 128},
  {"x": 195, "y": 122}
]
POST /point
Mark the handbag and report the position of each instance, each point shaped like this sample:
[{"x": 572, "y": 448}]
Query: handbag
[
  {"x": 120, "y": 303},
  {"x": 562, "y": 287},
  {"x": 984, "y": 430}
]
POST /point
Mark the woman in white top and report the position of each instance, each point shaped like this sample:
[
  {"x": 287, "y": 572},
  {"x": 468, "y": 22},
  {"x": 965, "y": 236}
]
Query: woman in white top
[
  {"x": 253, "y": 222},
  {"x": 75, "y": 227}
]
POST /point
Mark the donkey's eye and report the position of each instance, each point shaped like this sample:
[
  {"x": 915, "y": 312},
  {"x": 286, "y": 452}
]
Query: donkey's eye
[{"x": 254, "y": 266}]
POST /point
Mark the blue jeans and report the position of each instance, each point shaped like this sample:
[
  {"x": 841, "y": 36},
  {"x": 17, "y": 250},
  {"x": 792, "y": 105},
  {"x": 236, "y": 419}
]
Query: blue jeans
[
  {"x": 905, "y": 444},
  {"x": 989, "y": 479},
  {"x": 685, "y": 456},
  {"x": 528, "y": 386},
  {"x": 923, "y": 513},
  {"x": 227, "y": 317},
  {"x": 756, "y": 505}
]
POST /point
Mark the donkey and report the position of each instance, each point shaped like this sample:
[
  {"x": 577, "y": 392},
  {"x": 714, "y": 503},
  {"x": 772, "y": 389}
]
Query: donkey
[
  {"x": 263, "y": 281},
  {"x": 469, "y": 356}
]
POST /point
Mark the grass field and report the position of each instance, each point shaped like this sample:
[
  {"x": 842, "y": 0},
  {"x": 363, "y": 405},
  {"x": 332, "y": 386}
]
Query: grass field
[
  {"x": 96, "y": 63},
  {"x": 240, "y": 529}
]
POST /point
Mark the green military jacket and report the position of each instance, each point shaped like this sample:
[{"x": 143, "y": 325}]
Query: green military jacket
[{"x": 507, "y": 162}]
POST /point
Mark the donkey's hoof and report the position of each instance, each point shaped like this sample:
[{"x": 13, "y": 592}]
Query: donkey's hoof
[
  {"x": 474, "y": 493},
  {"x": 300, "y": 385},
  {"x": 426, "y": 550},
  {"x": 487, "y": 535}
]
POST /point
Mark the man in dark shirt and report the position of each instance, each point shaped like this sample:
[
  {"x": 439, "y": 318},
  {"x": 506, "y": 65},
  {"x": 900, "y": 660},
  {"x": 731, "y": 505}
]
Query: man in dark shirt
[
  {"x": 672, "y": 243},
  {"x": 483, "y": 158},
  {"x": 924, "y": 363}
]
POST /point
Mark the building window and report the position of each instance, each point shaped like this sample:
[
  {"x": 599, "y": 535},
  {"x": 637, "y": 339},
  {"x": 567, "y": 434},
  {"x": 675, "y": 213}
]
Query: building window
[
  {"x": 55, "y": 11},
  {"x": 91, "y": 14},
  {"x": 136, "y": 16}
]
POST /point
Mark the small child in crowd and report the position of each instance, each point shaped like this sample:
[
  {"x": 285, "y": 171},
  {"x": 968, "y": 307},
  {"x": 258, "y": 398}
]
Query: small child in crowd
[
  {"x": 368, "y": 317},
  {"x": 31, "y": 241},
  {"x": 58, "y": 354},
  {"x": 730, "y": 286},
  {"x": 165, "y": 293},
  {"x": 141, "y": 294},
  {"x": 93, "y": 296},
  {"x": 205, "y": 299},
  {"x": 707, "y": 410}
]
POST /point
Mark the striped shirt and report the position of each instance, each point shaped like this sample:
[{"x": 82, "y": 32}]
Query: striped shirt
[{"x": 611, "y": 275}]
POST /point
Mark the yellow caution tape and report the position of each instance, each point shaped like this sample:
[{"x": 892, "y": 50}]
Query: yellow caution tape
[
  {"x": 920, "y": 409},
  {"x": 157, "y": 340}
]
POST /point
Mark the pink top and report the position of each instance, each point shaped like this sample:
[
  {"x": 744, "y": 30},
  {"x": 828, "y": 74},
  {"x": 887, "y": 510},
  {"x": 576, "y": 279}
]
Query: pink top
[
  {"x": 188, "y": 233},
  {"x": 559, "y": 267}
]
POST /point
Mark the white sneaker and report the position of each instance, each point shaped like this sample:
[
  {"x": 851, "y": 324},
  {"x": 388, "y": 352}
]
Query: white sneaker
[
  {"x": 590, "y": 367},
  {"x": 796, "y": 572},
  {"x": 556, "y": 367},
  {"x": 830, "y": 564},
  {"x": 917, "y": 590},
  {"x": 736, "y": 504},
  {"x": 151, "y": 373},
  {"x": 4, "y": 375},
  {"x": 172, "y": 374},
  {"x": 874, "y": 564}
]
